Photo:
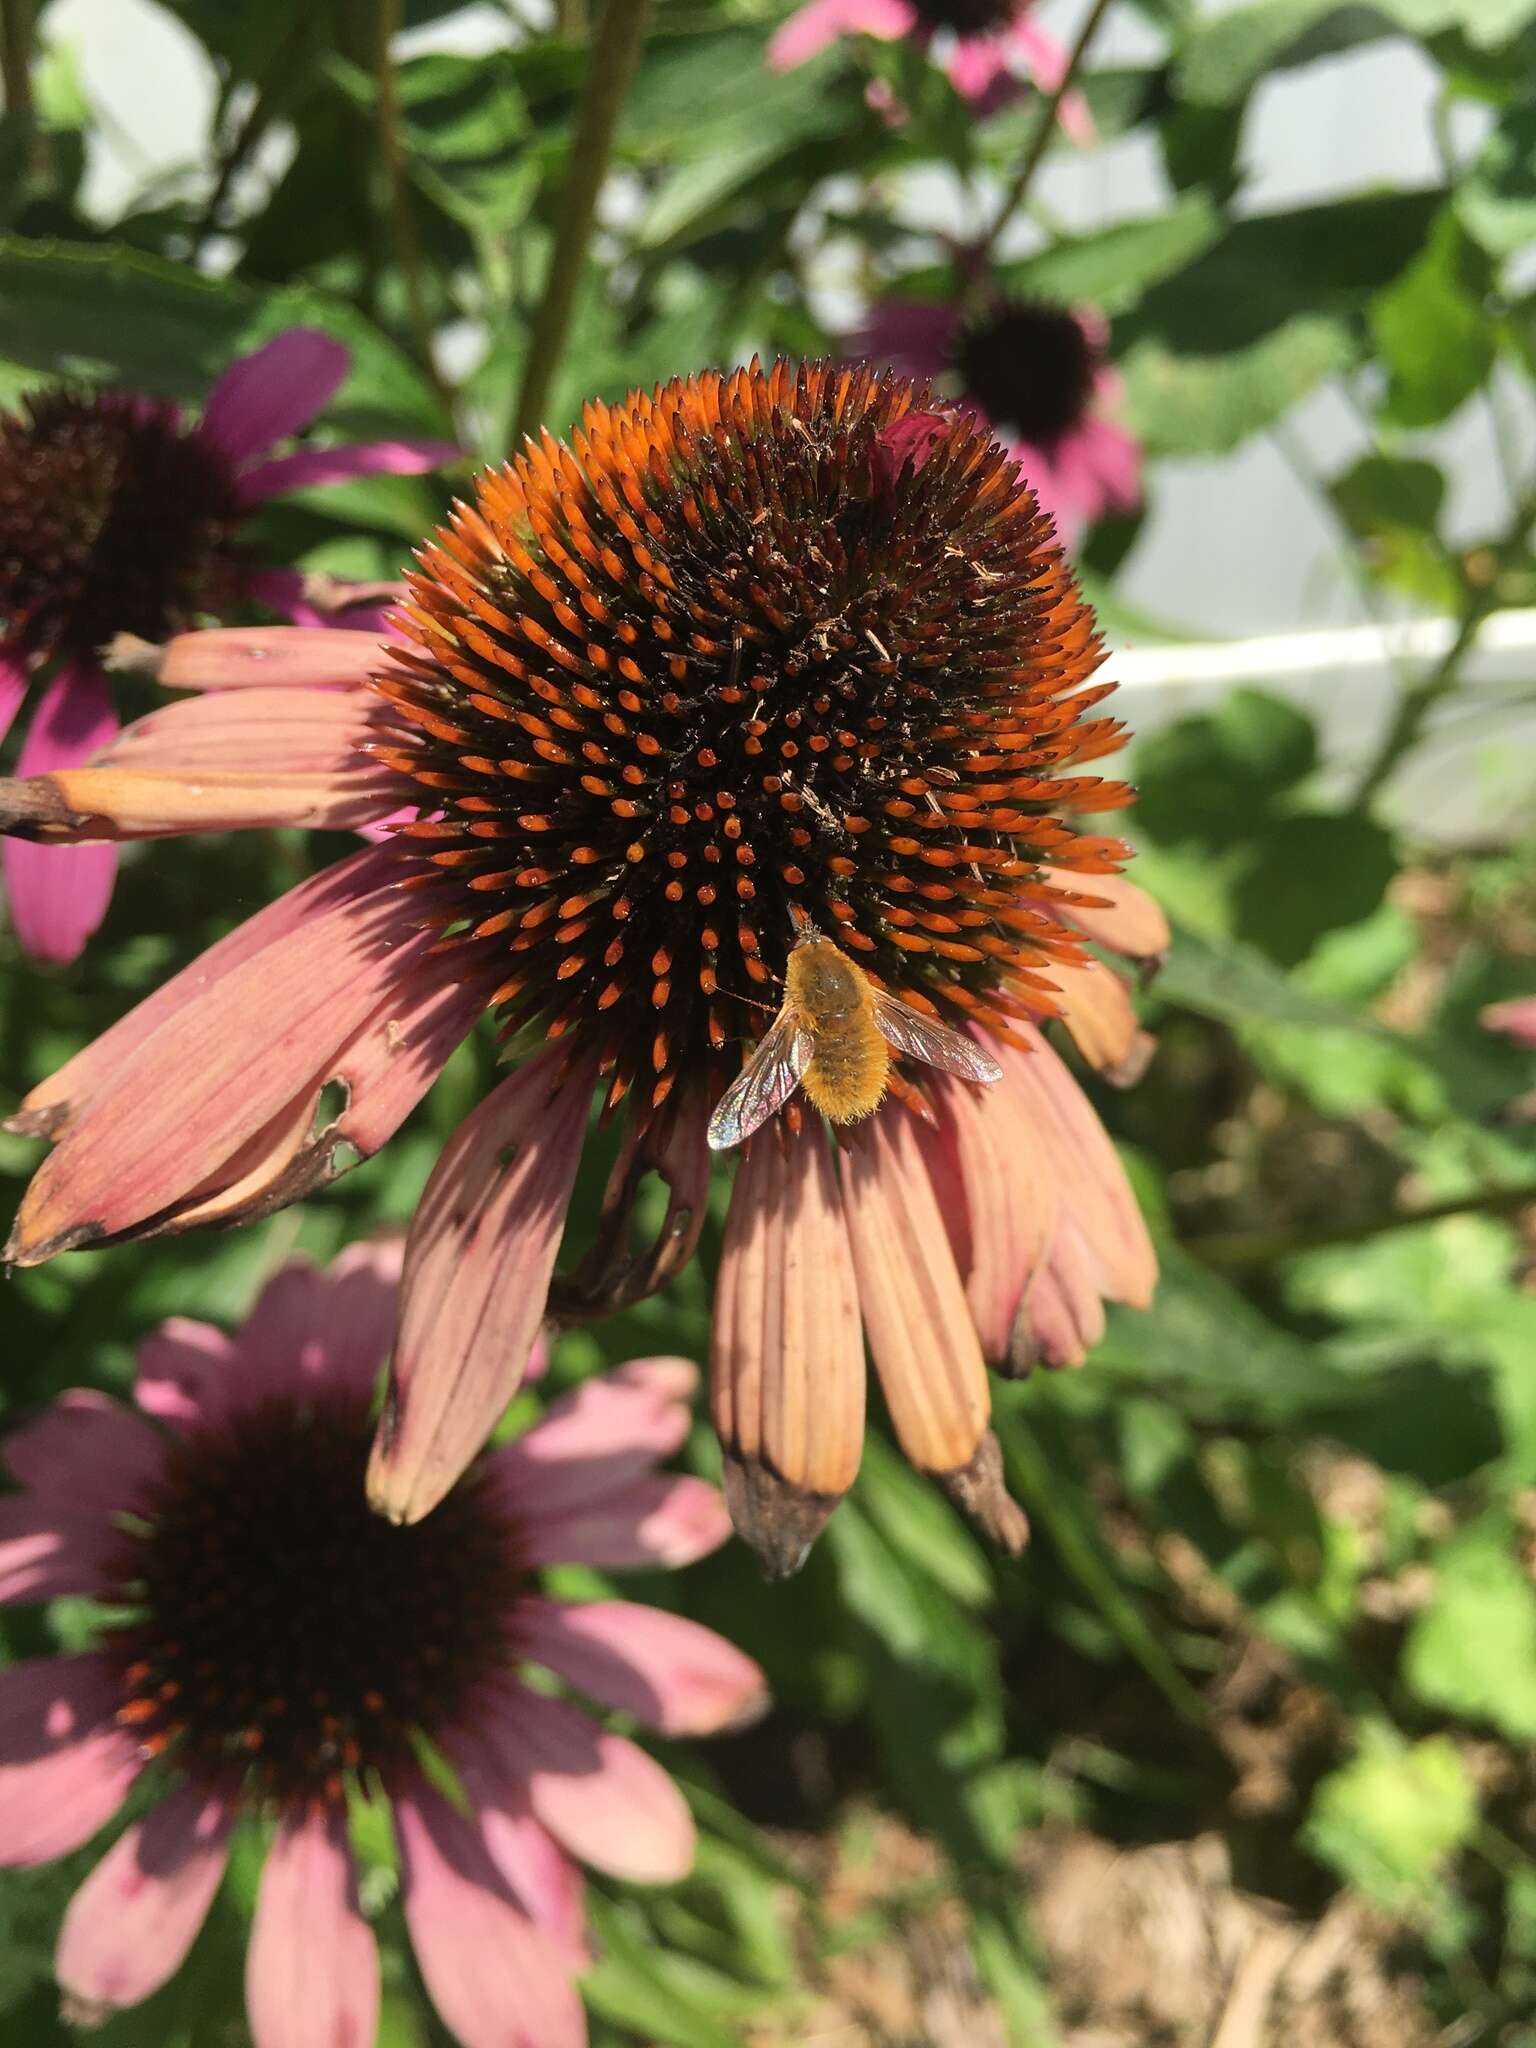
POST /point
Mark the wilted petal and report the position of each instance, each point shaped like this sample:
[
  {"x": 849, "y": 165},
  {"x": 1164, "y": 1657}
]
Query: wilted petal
[
  {"x": 497, "y": 1979},
  {"x": 228, "y": 1058},
  {"x": 312, "y": 1968},
  {"x": 318, "y": 466},
  {"x": 1124, "y": 920},
  {"x": 478, "y": 1258},
  {"x": 662, "y": 1668},
  {"x": 275, "y": 391},
  {"x": 129, "y": 1926},
  {"x": 58, "y": 895},
  {"x": 608, "y": 1430},
  {"x": 662, "y": 1518},
  {"x": 228, "y": 761},
  {"x": 255, "y": 657},
  {"x": 598, "y": 1793},
  {"x": 787, "y": 1353},
  {"x": 65, "y": 1767},
  {"x": 1061, "y": 1315},
  {"x": 1097, "y": 1010},
  {"x": 997, "y": 1195},
  {"x": 85, "y": 1451}
]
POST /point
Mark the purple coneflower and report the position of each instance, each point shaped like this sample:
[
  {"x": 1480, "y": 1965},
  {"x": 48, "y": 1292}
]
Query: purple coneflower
[
  {"x": 729, "y": 660},
  {"x": 1037, "y": 374},
  {"x": 117, "y": 515},
  {"x": 273, "y": 1650}
]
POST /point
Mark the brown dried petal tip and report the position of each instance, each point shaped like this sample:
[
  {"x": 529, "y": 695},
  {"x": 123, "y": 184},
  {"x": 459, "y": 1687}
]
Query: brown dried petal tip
[
  {"x": 778, "y": 1520},
  {"x": 978, "y": 1488}
]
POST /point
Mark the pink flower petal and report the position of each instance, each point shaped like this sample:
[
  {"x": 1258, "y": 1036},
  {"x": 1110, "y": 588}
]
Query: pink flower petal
[
  {"x": 310, "y": 467},
  {"x": 15, "y": 679},
  {"x": 310, "y": 1329},
  {"x": 1061, "y": 1315},
  {"x": 608, "y": 1430},
  {"x": 65, "y": 1767},
  {"x": 47, "y": 1549},
  {"x": 1516, "y": 1019},
  {"x": 269, "y": 657},
  {"x": 659, "y": 1519},
  {"x": 662, "y": 1668},
  {"x": 1045, "y": 61},
  {"x": 1118, "y": 916},
  {"x": 128, "y": 1928},
  {"x": 356, "y": 1323},
  {"x": 544, "y": 1880},
  {"x": 597, "y": 1793},
  {"x": 312, "y": 1968},
  {"x": 264, "y": 397},
  {"x": 977, "y": 64},
  {"x": 231, "y": 760},
  {"x": 915, "y": 336},
  {"x": 812, "y": 29},
  {"x": 86, "y": 1451},
  {"x": 478, "y": 1258},
  {"x": 59, "y": 894},
  {"x": 1096, "y": 1007},
  {"x": 921, "y": 1335},
  {"x": 185, "y": 1375},
  {"x": 497, "y": 1980},
  {"x": 186, "y": 1098}
]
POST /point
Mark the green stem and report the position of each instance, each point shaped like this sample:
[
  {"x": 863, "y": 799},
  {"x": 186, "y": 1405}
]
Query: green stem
[
  {"x": 402, "y": 220},
  {"x": 1040, "y": 141},
  {"x": 18, "y": 23},
  {"x": 1415, "y": 705},
  {"x": 1242, "y": 1250},
  {"x": 615, "y": 54}
]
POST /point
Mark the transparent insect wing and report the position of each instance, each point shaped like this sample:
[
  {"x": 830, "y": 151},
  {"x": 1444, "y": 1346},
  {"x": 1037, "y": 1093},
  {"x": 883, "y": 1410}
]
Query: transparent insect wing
[
  {"x": 764, "y": 1084},
  {"x": 935, "y": 1044}
]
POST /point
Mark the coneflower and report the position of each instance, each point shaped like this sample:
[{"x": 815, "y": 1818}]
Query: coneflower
[
  {"x": 264, "y": 1666},
  {"x": 118, "y": 515},
  {"x": 743, "y": 654}
]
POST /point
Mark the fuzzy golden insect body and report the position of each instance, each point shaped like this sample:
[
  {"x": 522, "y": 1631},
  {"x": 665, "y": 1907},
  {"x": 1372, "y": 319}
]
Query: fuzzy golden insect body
[{"x": 833, "y": 1036}]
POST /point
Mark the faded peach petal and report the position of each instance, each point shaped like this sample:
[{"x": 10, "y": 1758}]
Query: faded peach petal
[
  {"x": 187, "y": 1100},
  {"x": 263, "y": 657},
  {"x": 236, "y": 759},
  {"x": 1096, "y": 1008},
  {"x": 1124, "y": 919},
  {"x": 787, "y": 1351},
  {"x": 1061, "y": 1316},
  {"x": 478, "y": 1259}
]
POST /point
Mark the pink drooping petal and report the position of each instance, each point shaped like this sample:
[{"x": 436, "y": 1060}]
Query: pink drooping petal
[
  {"x": 228, "y": 761},
  {"x": 497, "y": 1979},
  {"x": 1118, "y": 916},
  {"x": 478, "y": 1259},
  {"x": 1096, "y": 1007},
  {"x": 545, "y": 1882},
  {"x": 598, "y": 1793},
  {"x": 310, "y": 1329},
  {"x": 276, "y": 391},
  {"x": 312, "y": 1968},
  {"x": 977, "y": 67},
  {"x": 921, "y": 1335},
  {"x": 914, "y": 336},
  {"x": 356, "y": 1321},
  {"x": 606, "y": 1431},
  {"x": 1061, "y": 1316},
  {"x": 85, "y": 1451},
  {"x": 58, "y": 895},
  {"x": 318, "y": 466},
  {"x": 660, "y": 1518},
  {"x": 178, "y": 1113},
  {"x": 1515, "y": 1019},
  {"x": 910, "y": 441},
  {"x": 267, "y": 657},
  {"x": 812, "y": 29},
  {"x": 48, "y": 1549},
  {"x": 1045, "y": 61},
  {"x": 1042, "y": 473},
  {"x": 185, "y": 1375},
  {"x": 65, "y": 1766},
  {"x": 15, "y": 678},
  {"x": 128, "y": 1928},
  {"x": 997, "y": 1196},
  {"x": 1112, "y": 456},
  {"x": 662, "y": 1668}
]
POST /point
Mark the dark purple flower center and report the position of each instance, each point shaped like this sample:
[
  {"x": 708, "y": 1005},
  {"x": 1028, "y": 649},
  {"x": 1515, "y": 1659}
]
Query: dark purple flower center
[
  {"x": 284, "y": 1638},
  {"x": 1030, "y": 367},
  {"x": 968, "y": 17},
  {"x": 114, "y": 518}
]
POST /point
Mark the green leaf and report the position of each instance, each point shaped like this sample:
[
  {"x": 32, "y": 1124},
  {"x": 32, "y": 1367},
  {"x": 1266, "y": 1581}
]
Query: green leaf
[
  {"x": 1223, "y": 56},
  {"x": 1389, "y": 1820},
  {"x": 1473, "y": 1649},
  {"x": 1114, "y": 265},
  {"x": 1210, "y": 404},
  {"x": 1308, "y": 874},
  {"x": 1496, "y": 202},
  {"x": 1235, "y": 984},
  {"x": 1208, "y": 778},
  {"x": 1432, "y": 328}
]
